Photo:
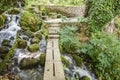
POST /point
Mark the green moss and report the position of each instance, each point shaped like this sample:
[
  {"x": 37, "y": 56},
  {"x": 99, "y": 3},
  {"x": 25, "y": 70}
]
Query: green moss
[
  {"x": 2, "y": 20},
  {"x": 77, "y": 59},
  {"x": 38, "y": 35},
  {"x": 22, "y": 43},
  {"x": 85, "y": 78},
  {"x": 64, "y": 60},
  {"x": 28, "y": 63},
  {"x": 35, "y": 40},
  {"x": 14, "y": 11},
  {"x": 42, "y": 59},
  {"x": 29, "y": 34},
  {"x": 6, "y": 42},
  {"x": 29, "y": 21},
  {"x": 33, "y": 47}
]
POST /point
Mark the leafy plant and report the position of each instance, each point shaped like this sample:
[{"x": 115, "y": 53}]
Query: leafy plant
[
  {"x": 68, "y": 42},
  {"x": 104, "y": 50},
  {"x": 100, "y": 12}
]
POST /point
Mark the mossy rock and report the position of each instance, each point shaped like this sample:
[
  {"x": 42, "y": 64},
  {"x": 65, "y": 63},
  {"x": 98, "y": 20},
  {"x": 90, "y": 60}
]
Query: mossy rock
[
  {"x": 2, "y": 20},
  {"x": 14, "y": 11},
  {"x": 65, "y": 61},
  {"x": 38, "y": 35},
  {"x": 28, "y": 63},
  {"x": 77, "y": 59},
  {"x": 42, "y": 59},
  {"x": 4, "y": 50},
  {"x": 85, "y": 78},
  {"x": 33, "y": 47},
  {"x": 29, "y": 22},
  {"x": 22, "y": 43},
  {"x": 6, "y": 42},
  {"x": 29, "y": 34},
  {"x": 35, "y": 40}
]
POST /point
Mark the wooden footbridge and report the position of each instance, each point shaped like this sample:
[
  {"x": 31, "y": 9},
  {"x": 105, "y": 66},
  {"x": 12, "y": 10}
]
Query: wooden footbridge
[{"x": 53, "y": 65}]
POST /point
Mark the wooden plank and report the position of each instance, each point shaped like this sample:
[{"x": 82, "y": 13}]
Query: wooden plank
[
  {"x": 49, "y": 43},
  {"x": 53, "y": 36},
  {"x": 49, "y": 55},
  {"x": 57, "y": 56},
  {"x": 59, "y": 73},
  {"x": 55, "y": 43},
  {"x": 48, "y": 72}
]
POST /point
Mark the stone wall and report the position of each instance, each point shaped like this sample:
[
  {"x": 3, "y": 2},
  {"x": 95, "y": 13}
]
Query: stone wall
[{"x": 69, "y": 11}]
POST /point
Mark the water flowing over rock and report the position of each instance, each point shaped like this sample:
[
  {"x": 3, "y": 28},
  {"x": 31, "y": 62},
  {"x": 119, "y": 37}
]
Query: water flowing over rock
[{"x": 72, "y": 70}]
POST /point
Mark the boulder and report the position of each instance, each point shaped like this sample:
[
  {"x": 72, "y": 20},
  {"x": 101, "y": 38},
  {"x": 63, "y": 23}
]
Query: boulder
[
  {"x": 22, "y": 43},
  {"x": 29, "y": 34},
  {"x": 29, "y": 21},
  {"x": 65, "y": 61},
  {"x": 42, "y": 59},
  {"x": 33, "y": 47},
  {"x": 6, "y": 42},
  {"x": 85, "y": 78},
  {"x": 35, "y": 40},
  {"x": 28, "y": 63},
  {"x": 4, "y": 50},
  {"x": 14, "y": 11},
  {"x": 77, "y": 59}
]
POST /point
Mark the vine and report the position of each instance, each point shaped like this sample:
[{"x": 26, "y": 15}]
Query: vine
[{"x": 100, "y": 12}]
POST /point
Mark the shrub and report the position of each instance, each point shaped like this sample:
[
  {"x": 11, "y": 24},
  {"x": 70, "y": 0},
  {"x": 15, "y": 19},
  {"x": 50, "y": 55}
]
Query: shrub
[{"x": 104, "y": 50}]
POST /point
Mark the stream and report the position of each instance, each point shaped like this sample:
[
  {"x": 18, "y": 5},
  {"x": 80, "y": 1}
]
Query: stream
[{"x": 73, "y": 72}]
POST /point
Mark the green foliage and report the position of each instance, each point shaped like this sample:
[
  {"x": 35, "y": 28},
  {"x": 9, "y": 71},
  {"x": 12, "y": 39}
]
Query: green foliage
[
  {"x": 104, "y": 50},
  {"x": 68, "y": 42},
  {"x": 101, "y": 12},
  {"x": 29, "y": 21},
  {"x": 117, "y": 21}
]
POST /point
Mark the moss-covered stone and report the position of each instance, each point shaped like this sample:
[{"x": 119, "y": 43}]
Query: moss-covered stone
[
  {"x": 6, "y": 42},
  {"x": 78, "y": 60},
  {"x": 33, "y": 47},
  {"x": 38, "y": 34},
  {"x": 14, "y": 11},
  {"x": 65, "y": 61},
  {"x": 42, "y": 59},
  {"x": 35, "y": 40},
  {"x": 29, "y": 34},
  {"x": 28, "y": 63},
  {"x": 85, "y": 78},
  {"x": 2, "y": 20},
  {"x": 29, "y": 21},
  {"x": 4, "y": 50},
  {"x": 22, "y": 43}
]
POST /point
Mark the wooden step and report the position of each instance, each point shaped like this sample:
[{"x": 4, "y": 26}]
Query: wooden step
[{"x": 53, "y": 36}]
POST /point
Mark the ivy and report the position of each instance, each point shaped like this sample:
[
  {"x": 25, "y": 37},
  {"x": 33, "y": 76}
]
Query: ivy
[{"x": 100, "y": 12}]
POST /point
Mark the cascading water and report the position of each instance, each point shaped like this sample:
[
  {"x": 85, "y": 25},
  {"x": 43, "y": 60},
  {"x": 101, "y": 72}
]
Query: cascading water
[
  {"x": 11, "y": 27},
  {"x": 72, "y": 70}
]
